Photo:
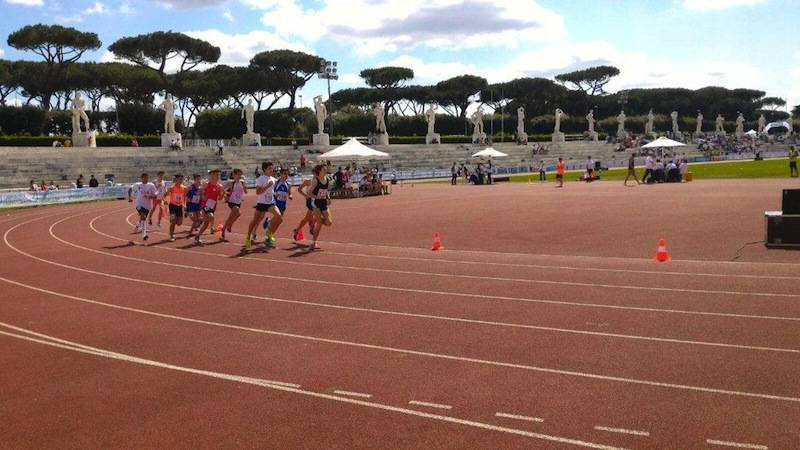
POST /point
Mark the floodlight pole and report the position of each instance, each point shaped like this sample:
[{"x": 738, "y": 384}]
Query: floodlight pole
[{"x": 329, "y": 71}]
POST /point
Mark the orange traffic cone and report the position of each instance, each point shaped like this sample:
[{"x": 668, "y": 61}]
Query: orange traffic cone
[
  {"x": 661, "y": 254},
  {"x": 437, "y": 242},
  {"x": 300, "y": 235}
]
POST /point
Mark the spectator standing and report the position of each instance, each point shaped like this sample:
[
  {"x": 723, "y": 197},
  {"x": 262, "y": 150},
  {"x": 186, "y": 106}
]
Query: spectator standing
[
  {"x": 589, "y": 169},
  {"x": 649, "y": 165},
  {"x": 793, "y": 162},
  {"x": 453, "y": 175},
  {"x": 220, "y": 147},
  {"x": 542, "y": 171},
  {"x": 93, "y": 183},
  {"x": 33, "y": 187},
  {"x": 79, "y": 182},
  {"x": 489, "y": 171},
  {"x": 302, "y": 162},
  {"x": 631, "y": 170},
  {"x": 560, "y": 169}
]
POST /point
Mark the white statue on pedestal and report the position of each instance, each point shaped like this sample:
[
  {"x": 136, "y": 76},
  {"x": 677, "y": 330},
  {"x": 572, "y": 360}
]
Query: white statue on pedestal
[
  {"x": 520, "y": 121},
  {"x": 790, "y": 122},
  {"x": 762, "y": 122},
  {"x": 719, "y": 124},
  {"x": 169, "y": 114},
  {"x": 430, "y": 117},
  {"x": 699, "y": 128},
  {"x": 674, "y": 116},
  {"x": 648, "y": 126},
  {"x": 558, "y": 114},
  {"x": 380, "y": 118},
  {"x": 79, "y": 114},
  {"x": 590, "y": 119},
  {"x": 621, "y": 124},
  {"x": 740, "y": 125},
  {"x": 321, "y": 112},
  {"x": 248, "y": 112},
  {"x": 477, "y": 125}
]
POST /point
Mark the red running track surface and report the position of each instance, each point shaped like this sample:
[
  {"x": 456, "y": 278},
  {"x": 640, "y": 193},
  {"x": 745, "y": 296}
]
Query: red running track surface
[{"x": 544, "y": 324}]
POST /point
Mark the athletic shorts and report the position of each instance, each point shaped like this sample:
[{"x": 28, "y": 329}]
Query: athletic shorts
[
  {"x": 176, "y": 211},
  {"x": 192, "y": 207},
  {"x": 321, "y": 205},
  {"x": 209, "y": 210},
  {"x": 142, "y": 211},
  {"x": 232, "y": 205},
  {"x": 310, "y": 204},
  {"x": 281, "y": 206},
  {"x": 793, "y": 164},
  {"x": 263, "y": 207},
  {"x": 559, "y": 176}
]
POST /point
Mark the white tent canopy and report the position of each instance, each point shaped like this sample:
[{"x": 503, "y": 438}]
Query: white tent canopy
[
  {"x": 752, "y": 133},
  {"x": 353, "y": 150},
  {"x": 663, "y": 142},
  {"x": 489, "y": 153},
  {"x": 772, "y": 125}
]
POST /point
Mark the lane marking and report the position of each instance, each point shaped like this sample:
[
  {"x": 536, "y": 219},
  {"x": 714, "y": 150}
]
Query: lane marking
[
  {"x": 429, "y": 404},
  {"x": 353, "y": 394},
  {"x": 515, "y": 280},
  {"x": 622, "y": 431},
  {"x": 448, "y": 293},
  {"x": 736, "y": 444},
  {"x": 54, "y": 342},
  {"x": 398, "y": 350},
  {"x": 360, "y": 309},
  {"x": 518, "y": 417}
]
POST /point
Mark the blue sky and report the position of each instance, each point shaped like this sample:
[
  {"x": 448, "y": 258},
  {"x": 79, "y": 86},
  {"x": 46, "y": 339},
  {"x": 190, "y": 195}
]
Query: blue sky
[{"x": 680, "y": 43}]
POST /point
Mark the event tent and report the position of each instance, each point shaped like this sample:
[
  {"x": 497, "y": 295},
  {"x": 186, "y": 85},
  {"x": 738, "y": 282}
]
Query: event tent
[
  {"x": 663, "y": 142},
  {"x": 353, "y": 150},
  {"x": 772, "y": 125},
  {"x": 489, "y": 153}
]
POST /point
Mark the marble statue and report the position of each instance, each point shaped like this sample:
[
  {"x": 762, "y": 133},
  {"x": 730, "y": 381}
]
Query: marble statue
[
  {"x": 247, "y": 113},
  {"x": 621, "y": 125},
  {"x": 740, "y": 125},
  {"x": 430, "y": 116},
  {"x": 699, "y": 127},
  {"x": 321, "y": 112},
  {"x": 478, "y": 136},
  {"x": 674, "y": 116},
  {"x": 590, "y": 118},
  {"x": 648, "y": 126},
  {"x": 380, "y": 118},
  {"x": 719, "y": 124},
  {"x": 790, "y": 122},
  {"x": 558, "y": 136},
  {"x": 762, "y": 122},
  {"x": 520, "y": 120},
  {"x": 79, "y": 113},
  {"x": 169, "y": 114}
]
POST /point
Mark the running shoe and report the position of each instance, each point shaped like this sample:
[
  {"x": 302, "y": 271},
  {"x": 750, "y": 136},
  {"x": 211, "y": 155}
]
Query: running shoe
[
  {"x": 294, "y": 235},
  {"x": 270, "y": 243},
  {"x": 248, "y": 244},
  {"x": 171, "y": 238},
  {"x": 144, "y": 236},
  {"x": 197, "y": 240},
  {"x": 315, "y": 246},
  {"x": 149, "y": 221},
  {"x": 265, "y": 225}
]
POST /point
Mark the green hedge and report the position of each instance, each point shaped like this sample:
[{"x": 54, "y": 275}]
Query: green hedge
[
  {"x": 121, "y": 140},
  {"x": 133, "y": 119}
]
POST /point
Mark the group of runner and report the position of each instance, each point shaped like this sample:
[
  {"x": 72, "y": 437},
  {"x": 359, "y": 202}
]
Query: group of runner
[{"x": 199, "y": 201}]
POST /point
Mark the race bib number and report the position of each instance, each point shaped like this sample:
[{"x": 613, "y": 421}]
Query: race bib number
[
  {"x": 323, "y": 194},
  {"x": 195, "y": 199},
  {"x": 211, "y": 204},
  {"x": 179, "y": 198}
]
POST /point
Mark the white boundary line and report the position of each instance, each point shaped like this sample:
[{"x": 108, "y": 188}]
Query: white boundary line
[
  {"x": 622, "y": 431},
  {"x": 518, "y": 417},
  {"x": 352, "y": 394},
  {"x": 66, "y": 345},
  {"x": 736, "y": 444},
  {"x": 354, "y": 308},
  {"x": 429, "y": 404},
  {"x": 399, "y": 350}
]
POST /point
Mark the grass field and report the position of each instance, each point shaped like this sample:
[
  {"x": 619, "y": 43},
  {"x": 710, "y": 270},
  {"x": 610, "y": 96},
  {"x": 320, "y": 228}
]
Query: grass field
[{"x": 773, "y": 168}]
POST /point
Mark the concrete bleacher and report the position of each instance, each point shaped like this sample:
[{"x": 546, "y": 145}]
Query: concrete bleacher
[{"x": 18, "y": 165}]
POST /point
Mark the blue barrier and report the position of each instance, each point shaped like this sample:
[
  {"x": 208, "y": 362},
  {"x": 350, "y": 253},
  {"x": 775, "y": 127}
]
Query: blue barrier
[{"x": 21, "y": 199}]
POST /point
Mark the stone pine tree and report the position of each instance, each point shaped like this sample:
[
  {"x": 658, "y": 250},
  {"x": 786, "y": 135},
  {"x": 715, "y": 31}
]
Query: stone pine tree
[
  {"x": 387, "y": 80},
  {"x": 591, "y": 81},
  {"x": 291, "y": 69}
]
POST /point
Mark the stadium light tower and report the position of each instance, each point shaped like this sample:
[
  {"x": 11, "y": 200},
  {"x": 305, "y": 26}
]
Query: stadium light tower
[{"x": 329, "y": 71}]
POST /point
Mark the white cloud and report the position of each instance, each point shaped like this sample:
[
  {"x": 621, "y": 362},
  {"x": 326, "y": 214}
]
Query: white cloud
[
  {"x": 2, "y": 52},
  {"x": 26, "y": 2},
  {"x": 97, "y": 8},
  {"x": 237, "y": 49},
  {"x": 126, "y": 8},
  {"x": 188, "y": 4},
  {"x": 350, "y": 78},
  {"x": 229, "y": 15},
  {"x": 72, "y": 18},
  {"x": 716, "y": 5},
  {"x": 392, "y": 25}
]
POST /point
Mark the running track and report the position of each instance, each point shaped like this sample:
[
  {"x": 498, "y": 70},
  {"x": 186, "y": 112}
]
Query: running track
[{"x": 376, "y": 342}]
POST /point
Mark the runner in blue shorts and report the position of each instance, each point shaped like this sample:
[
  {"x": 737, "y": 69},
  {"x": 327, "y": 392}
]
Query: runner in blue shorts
[
  {"x": 193, "y": 202},
  {"x": 283, "y": 193}
]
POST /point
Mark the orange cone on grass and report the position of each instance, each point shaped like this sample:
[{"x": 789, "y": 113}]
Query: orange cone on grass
[
  {"x": 662, "y": 255},
  {"x": 437, "y": 242}
]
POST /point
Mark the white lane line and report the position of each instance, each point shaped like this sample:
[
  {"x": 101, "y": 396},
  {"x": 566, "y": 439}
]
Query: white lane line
[
  {"x": 72, "y": 346},
  {"x": 736, "y": 444},
  {"x": 369, "y": 310},
  {"x": 379, "y": 347},
  {"x": 429, "y": 404},
  {"x": 622, "y": 430},
  {"x": 353, "y": 394},
  {"x": 445, "y": 293},
  {"x": 518, "y": 417}
]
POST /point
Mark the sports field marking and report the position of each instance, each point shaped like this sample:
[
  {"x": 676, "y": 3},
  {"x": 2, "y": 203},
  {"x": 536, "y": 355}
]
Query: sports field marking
[
  {"x": 67, "y": 345},
  {"x": 622, "y": 431},
  {"x": 353, "y": 394},
  {"x": 518, "y": 417},
  {"x": 736, "y": 444},
  {"x": 386, "y": 348},
  {"x": 429, "y": 404},
  {"x": 359, "y": 309},
  {"x": 529, "y": 280},
  {"x": 444, "y": 293}
]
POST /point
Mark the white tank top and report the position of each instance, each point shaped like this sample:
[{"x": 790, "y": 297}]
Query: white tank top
[{"x": 237, "y": 193}]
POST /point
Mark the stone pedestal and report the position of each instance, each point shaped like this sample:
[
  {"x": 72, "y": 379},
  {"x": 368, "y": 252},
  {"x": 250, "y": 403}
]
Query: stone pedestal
[
  {"x": 321, "y": 139},
  {"x": 558, "y": 137},
  {"x": 522, "y": 138},
  {"x": 622, "y": 134},
  {"x": 433, "y": 138},
  {"x": 251, "y": 140},
  {"x": 167, "y": 138},
  {"x": 81, "y": 139},
  {"x": 593, "y": 136},
  {"x": 479, "y": 138},
  {"x": 382, "y": 138}
]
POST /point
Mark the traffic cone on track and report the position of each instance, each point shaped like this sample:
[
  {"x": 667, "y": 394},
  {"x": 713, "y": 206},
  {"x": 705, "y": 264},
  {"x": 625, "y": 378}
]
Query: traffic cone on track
[
  {"x": 437, "y": 242},
  {"x": 662, "y": 255}
]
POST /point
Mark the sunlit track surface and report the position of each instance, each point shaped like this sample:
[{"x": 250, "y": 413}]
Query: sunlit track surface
[{"x": 368, "y": 345}]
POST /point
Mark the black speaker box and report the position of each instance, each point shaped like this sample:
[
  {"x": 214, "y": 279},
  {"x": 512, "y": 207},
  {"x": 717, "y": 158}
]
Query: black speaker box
[
  {"x": 783, "y": 230},
  {"x": 791, "y": 201}
]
